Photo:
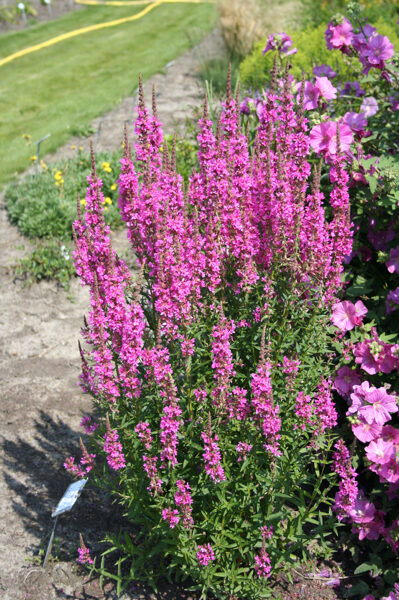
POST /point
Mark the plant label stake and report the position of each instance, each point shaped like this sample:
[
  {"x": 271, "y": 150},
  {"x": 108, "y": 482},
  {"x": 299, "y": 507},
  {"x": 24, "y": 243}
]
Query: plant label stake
[
  {"x": 64, "y": 505},
  {"x": 38, "y": 153},
  {"x": 48, "y": 4},
  {"x": 21, "y": 7}
]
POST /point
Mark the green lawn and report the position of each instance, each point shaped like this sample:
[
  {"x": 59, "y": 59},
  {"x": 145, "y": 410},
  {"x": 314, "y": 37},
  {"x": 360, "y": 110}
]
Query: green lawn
[{"x": 61, "y": 88}]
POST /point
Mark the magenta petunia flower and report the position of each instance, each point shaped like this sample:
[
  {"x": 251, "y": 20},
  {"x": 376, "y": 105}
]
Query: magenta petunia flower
[
  {"x": 346, "y": 315},
  {"x": 281, "y": 42},
  {"x": 392, "y": 301},
  {"x": 339, "y": 37},
  {"x": 369, "y": 106},
  {"x": 378, "y": 407},
  {"x": 325, "y": 70},
  {"x": 362, "y": 511},
  {"x": 393, "y": 262},
  {"x": 311, "y": 95},
  {"x": 376, "y": 52},
  {"x": 390, "y": 434},
  {"x": 356, "y": 121},
  {"x": 326, "y": 88},
  {"x": 345, "y": 380},
  {"x": 323, "y": 138},
  {"x": 365, "y": 432},
  {"x": 379, "y": 451}
]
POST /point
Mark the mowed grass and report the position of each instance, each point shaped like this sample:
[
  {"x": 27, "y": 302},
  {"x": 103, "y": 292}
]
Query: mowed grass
[{"x": 62, "y": 88}]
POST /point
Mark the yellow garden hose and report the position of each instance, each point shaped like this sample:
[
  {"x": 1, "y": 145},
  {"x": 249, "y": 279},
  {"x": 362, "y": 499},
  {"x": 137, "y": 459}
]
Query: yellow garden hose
[{"x": 83, "y": 30}]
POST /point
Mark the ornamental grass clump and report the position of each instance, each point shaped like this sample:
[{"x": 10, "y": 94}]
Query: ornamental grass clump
[{"x": 210, "y": 372}]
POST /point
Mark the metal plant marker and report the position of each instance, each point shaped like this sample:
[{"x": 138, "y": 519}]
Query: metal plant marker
[
  {"x": 38, "y": 153},
  {"x": 67, "y": 501}
]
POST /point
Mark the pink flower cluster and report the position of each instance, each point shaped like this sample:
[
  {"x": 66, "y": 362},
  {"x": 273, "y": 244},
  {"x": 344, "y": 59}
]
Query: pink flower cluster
[
  {"x": 184, "y": 501},
  {"x": 84, "y": 557},
  {"x": 262, "y": 561},
  {"x": 372, "y": 49},
  {"x": 114, "y": 451},
  {"x": 280, "y": 42},
  {"x": 86, "y": 463},
  {"x": 144, "y": 432},
  {"x": 171, "y": 516},
  {"x": 212, "y": 458},
  {"x": 205, "y": 555},
  {"x": 151, "y": 469}
]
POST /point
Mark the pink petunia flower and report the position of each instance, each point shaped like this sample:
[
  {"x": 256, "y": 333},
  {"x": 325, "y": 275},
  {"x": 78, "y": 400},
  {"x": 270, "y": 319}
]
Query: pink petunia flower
[
  {"x": 392, "y": 301},
  {"x": 325, "y": 70},
  {"x": 369, "y": 106},
  {"x": 326, "y": 88},
  {"x": 362, "y": 511},
  {"x": 378, "y": 407},
  {"x": 376, "y": 52},
  {"x": 345, "y": 380},
  {"x": 356, "y": 121},
  {"x": 365, "y": 432},
  {"x": 346, "y": 315},
  {"x": 379, "y": 451},
  {"x": 340, "y": 36},
  {"x": 281, "y": 42},
  {"x": 393, "y": 263},
  {"x": 323, "y": 138}
]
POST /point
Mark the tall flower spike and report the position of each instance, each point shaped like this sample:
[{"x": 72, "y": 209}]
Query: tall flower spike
[
  {"x": 141, "y": 92},
  {"x": 154, "y": 102},
  {"x": 173, "y": 157},
  {"x": 228, "y": 83},
  {"x": 93, "y": 159},
  {"x": 205, "y": 113}
]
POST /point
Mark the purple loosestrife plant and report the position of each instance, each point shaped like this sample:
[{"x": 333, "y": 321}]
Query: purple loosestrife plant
[{"x": 210, "y": 373}]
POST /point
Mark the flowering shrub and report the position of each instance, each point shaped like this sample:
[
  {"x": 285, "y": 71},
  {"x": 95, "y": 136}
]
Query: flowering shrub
[
  {"x": 211, "y": 373},
  {"x": 360, "y": 117}
]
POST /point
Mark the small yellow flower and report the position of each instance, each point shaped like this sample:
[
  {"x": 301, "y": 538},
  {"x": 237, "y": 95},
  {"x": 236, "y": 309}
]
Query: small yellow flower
[
  {"x": 106, "y": 167},
  {"x": 123, "y": 145},
  {"x": 113, "y": 187},
  {"x": 105, "y": 208},
  {"x": 107, "y": 200},
  {"x": 26, "y": 136},
  {"x": 83, "y": 202},
  {"x": 80, "y": 148},
  {"x": 33, "y": 158},
  {"x": 43, "y": 165}
]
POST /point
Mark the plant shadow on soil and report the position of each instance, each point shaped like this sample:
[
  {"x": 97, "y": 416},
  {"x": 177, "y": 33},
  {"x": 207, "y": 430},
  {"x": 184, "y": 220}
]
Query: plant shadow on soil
[
  {"x": 34, "y": 472},
  {"x": 37, "y": 479}
]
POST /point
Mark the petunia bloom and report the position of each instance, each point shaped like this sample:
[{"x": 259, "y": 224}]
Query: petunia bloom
[
  {"x": 323, "y": 138},
  {"x": 346, "y": 315}
]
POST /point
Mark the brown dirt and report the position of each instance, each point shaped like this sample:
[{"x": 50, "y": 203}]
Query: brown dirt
[
  {"x": 41, "y": 405},
  {"x": 58, "y": 9}
]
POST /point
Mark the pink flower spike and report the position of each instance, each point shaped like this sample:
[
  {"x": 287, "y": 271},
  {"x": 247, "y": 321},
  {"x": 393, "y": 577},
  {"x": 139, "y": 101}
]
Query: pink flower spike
[
  {"x": 346, "y": 315},
  {"x": 171, "y": 516},
  {"x": 205, "y": 555}
]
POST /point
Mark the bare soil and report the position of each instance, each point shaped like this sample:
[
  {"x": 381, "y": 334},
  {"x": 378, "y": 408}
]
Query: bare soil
[
  {"x": 42, "y": 406},
  {"x": 57, "y": 9}
]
